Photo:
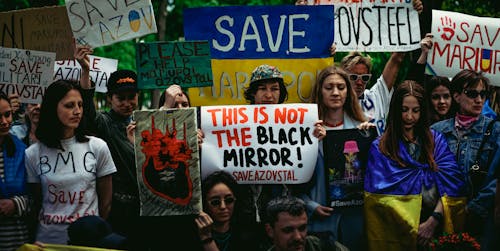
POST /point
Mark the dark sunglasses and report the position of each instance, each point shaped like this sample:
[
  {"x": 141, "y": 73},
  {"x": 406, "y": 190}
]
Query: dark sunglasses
[
  {"x": 217, "y": 202},
  {"x": 364, "y": 77},
  {"x": 473, "y": 93},
  {"x": 437, "y": 96},
  {"x": 6, "y": 114}
]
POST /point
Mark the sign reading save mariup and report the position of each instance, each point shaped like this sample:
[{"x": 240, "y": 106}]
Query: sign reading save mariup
[
  {"x": 375, "y": 25},
  {"x": 100, "y": 69},
  {"x": 162, "y": 64},
  {"x": 98, "y": 23},
  {"x": 465, "y": 42},
  {"x": 26, "y": 73},
  {"x": 260, "y": 144}
]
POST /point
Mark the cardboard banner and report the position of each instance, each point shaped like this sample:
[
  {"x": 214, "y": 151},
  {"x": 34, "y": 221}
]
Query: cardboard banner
[
  {"x": 295, "y": 39},
  {"x": 465, "y": 42},
  {"x": 98, "y": 23},
  {"x": 41, "y": 29},
  {"x": 100, "y": 69},
  {"x": 168, "y": 170},
  {"x": 260, "y": 144},
  {"x": 345, "y": 155},
  {"x": 375, "y": 25},
  {"x": 162, "y": 64},
  {"x": 26, "y": 73}
]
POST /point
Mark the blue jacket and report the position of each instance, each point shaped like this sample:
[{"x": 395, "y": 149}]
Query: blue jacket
[
  {"x": 465, "y": 149},
  {"x": 14, "y": 170}
]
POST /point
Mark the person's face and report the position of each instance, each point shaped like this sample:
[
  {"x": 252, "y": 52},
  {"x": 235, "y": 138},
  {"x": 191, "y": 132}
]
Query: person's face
[
  {"x": 33, "y": 111},
  {"x": 124, "y": 103},
  {"x": 410, "y": 112},
  {"x": 181, "y": 101},
  {"x": 220, "y": 203},
  {"x": 470, "y": 101},
  {"x": 5, "y": 117},
  {"x": 267, "y": 93},
  {"x": 359, "y": 72},
  {"x": 70, "y": 111},
  {"x": 441, "y": 100},
  {"x": 289, "y": 232},
  {"x": 334, "y": 91}
]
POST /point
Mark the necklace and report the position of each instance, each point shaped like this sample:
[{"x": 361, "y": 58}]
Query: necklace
[{"x": 334, "y": 125}]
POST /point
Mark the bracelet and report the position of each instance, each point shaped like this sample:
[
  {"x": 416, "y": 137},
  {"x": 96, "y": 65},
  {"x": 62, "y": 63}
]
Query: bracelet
[
  {"x": 438, "y": 216},
  {"x": 207, "y": 240}
]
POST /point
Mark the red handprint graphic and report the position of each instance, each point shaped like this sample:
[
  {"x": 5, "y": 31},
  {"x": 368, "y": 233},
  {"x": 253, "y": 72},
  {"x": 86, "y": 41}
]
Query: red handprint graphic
[{"x": 448, "y": 28}]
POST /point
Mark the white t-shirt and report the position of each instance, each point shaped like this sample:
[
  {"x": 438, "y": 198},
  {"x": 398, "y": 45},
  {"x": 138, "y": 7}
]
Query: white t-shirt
[
  {"x": 375, "y": 103},
  {"x": 68, "y": 181}
]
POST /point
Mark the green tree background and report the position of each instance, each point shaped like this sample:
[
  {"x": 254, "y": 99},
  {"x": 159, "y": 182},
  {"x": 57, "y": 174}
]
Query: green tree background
[{"x": 169, "y": 20}]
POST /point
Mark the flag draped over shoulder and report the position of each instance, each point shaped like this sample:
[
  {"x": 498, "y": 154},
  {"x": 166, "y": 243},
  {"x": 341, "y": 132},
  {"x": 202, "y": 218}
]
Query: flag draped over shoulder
[{"x": 393, "y": 197}]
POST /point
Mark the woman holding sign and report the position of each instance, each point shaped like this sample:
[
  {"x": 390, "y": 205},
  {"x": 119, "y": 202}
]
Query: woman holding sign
[
  {"x": 413, "y": 186},
  {"x": 338, "y": 109},
  {"x": 70, "y": 172}
]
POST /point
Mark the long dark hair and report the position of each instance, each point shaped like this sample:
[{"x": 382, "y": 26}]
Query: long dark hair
[
  {"x": 351, "y": 105},
  {"x": 221, "y": 177},
  {"x": 8, "y": 142},
  {"x": 431, "y": 83},
  {"x": 389, "y": 142},
  {"x": 50, "y": 128}
]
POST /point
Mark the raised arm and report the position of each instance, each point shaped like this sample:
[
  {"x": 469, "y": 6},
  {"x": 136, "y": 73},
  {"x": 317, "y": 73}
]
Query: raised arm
[{"x": 391, "y": 68}]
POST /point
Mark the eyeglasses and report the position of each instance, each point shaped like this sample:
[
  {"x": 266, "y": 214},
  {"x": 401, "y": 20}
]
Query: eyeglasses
[
  {"x": 217, "y": 202},
  {"x": 438, "y": 97},
  {"x": 364, "y": 77},
  {"x": 6, "y": 114},
  {"x": 473, "y": 93}
]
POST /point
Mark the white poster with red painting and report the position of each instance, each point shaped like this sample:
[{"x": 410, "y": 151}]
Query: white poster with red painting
[
  {"x": 168, "y": 171},
  {"x": 260, "y": 144},
  {"x": 465, "y": 42}
]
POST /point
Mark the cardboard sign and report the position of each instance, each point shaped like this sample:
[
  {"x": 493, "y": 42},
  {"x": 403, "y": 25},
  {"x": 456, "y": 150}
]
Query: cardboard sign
[
  {"x": 97, "y": 23},
  {"x": 295, "y": 39},
  {"x": 41, "y": 29},
  {"x": 100, "y": 69},
  {"x": 375, "y": 25},
  {"x": 345, "y": 155},
  {"x": 260, "y": 144},
  {"x": 465, "y": 42},
  {"x": 26, "y": 73},
  {"x": 168, "y": 171},
  {"x": 162, "y": 64}
]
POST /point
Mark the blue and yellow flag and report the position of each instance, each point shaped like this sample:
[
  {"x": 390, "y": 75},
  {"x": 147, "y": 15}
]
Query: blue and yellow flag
[{"x": 295, "y": 39}]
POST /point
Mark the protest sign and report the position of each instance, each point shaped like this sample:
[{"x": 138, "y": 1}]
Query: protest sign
[
  {"x": 162, "y": 64},
  {"x": 100, "y": 69},
  {"x": 168, "y": 173},
  {"x": 40, "y": 29},
  {"x": 295, "y": 39},
  {"x": 375, "y": 25},
  {"x": 345, "y": 156},
  {"x": 465, "y": 42},
  {"x": 26, "y": 73},
  {"x": 97, "y": 23},
  {"x": 260, "y": 144}
]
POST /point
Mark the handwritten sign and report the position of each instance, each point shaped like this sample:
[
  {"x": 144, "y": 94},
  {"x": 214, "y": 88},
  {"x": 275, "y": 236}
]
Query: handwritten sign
[
  {"x": 26, "y": 73},
  {"x": 40, "y": 29},
  {"x": 260, "y": 144},
  {"x": 375, "y": 25},
  {"x": 163, "y": 64},
  {"x": 100, "y": 69},
  {"x": 168, "y": 171},
  {"x": 465, "y": 42},
  {"x": 97, "y": 23},
  {"x": 296, "y": 39}
]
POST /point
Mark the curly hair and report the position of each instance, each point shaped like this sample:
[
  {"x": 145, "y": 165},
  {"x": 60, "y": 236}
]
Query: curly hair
[{"x": 250, "y": 92}]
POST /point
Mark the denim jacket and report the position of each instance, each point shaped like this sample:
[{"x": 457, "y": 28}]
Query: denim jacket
[{"x": 465, "y": 149}]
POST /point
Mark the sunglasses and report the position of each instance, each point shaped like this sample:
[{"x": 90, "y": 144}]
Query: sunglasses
[
  {"x": 364, "y": 77},
  {"x": 438, "y": 97},
  {"x": 473, "y": 93},
  {"x": 6, "y": 114},
  {"x": 217, "y": 202}
]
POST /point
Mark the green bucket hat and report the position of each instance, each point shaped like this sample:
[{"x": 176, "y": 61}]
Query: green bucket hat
[{"x": 265, "y": 71}]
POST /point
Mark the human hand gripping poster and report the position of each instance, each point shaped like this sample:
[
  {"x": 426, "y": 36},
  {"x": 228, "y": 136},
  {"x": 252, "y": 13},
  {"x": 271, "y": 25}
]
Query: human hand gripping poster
[
  {"x": 260, "y": 144},
  {"x": 168, "y": 172}
]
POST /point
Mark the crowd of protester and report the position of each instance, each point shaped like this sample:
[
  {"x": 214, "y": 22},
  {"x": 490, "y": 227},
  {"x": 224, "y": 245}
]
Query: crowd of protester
[{"x": 67, "y": 170}]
